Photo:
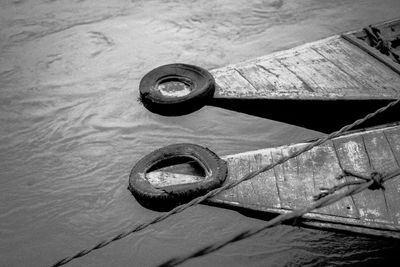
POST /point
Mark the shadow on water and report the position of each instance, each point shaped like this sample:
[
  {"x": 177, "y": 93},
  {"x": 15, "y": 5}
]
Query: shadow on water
[{"x": 323, "y": 116}]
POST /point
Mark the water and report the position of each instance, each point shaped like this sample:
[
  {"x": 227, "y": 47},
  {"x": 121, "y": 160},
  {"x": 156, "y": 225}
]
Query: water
[{"x": 71, "y": 127}]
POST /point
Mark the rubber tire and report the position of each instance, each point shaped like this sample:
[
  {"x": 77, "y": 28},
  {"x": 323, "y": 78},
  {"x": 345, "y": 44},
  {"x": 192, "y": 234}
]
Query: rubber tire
[
  {"x": 160, "y": 200},
  {"x": 203, "y": 87}
]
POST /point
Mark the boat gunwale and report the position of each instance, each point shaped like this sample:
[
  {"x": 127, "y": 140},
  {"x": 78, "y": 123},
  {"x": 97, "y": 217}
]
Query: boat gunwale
[
  {"x": 351, "y": 37},
  {"x": 312, "y": 218}
]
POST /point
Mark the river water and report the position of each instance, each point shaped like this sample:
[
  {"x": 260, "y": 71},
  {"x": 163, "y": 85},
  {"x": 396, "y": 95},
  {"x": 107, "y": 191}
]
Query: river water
[{"x": 71, "y": 128}]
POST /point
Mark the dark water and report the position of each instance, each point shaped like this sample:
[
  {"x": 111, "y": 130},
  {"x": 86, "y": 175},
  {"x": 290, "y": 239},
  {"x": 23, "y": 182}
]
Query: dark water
[{"x": 71, "y": 127}]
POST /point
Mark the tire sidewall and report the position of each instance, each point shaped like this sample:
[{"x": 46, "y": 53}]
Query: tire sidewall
[
  {"x": 155, "y": 198},
  {"x": 203, "y": 89}
]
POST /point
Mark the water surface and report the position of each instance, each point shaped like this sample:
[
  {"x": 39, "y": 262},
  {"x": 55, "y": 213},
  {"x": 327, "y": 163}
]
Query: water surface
[{"x": 71, "y": 127}]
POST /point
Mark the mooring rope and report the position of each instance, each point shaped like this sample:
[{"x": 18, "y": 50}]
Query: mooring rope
[
  {"x": 378, "y": 42},
  {"x": 226, "y": 186},
  {"x": 376, "y": 179}
]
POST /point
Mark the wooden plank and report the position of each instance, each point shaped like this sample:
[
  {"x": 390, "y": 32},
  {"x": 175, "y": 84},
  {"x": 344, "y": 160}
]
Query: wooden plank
[
  {"x": 326, "y": 168},
  {"x": 286, "y": 83},
  {"x": 352, "y": 156},
  {"x": 229, "y": 83},
  {"x": 306, "y": 174},
  {"x": 381, "y": 73},
  {"x": 376, "y": 78},
  {"x": 379, "y": 232},
  {"x": 242, "y": 193},
  {"x": 260, "y": 191},
  {"x": 383, "y": 161},
  {"x": 273, "y": 80},
  {"x": 321, "y": 75},
  {"x": 257, "y": 196},
  {"x": 264, "y": 79},
  {"x": 257, "y": 77},
  {"x": 245, "y": 189},
  {"x": 327, "y": 69},
  {"x": 292, "y": 188},
  {"x": 184, "y": 171},
  {"x": 264, "y": 184},
  {"x": 161, "y": 179},
  {"x": 393, "y": 136},
  {"x": 372, "y": 51}
]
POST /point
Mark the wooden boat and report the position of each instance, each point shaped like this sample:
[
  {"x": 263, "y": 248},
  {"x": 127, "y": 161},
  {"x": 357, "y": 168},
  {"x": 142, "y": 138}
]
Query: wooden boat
[
  {"x": 293, "y": 184},
  {"x": 341, "y": 67},
  {"x": 341, "y": 76}
]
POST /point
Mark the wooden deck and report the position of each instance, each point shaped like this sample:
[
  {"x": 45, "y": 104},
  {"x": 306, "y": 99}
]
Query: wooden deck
[
  {"x": 389, "y": 31},
  {"x": 329, "y": 69},
  {"x": 293, "y": 184}
]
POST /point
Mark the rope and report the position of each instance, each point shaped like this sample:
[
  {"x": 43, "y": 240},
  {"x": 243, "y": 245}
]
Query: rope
[
  {"x": 329, "y": 199},
  {"x": 375, "y": 177},
  {"x": 226, "y": 186},
  {"x": 378, "y": 42}
]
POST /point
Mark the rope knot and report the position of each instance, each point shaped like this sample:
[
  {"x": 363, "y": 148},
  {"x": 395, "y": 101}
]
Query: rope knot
[{"x": 377, "y": 179}]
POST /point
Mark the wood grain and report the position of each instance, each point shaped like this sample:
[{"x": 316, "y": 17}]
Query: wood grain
[{"x": 327, "y": 69}]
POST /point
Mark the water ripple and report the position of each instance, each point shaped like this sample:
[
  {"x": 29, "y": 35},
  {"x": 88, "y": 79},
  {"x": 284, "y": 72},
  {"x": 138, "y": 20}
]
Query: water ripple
[{"x": 71, "y": 128}]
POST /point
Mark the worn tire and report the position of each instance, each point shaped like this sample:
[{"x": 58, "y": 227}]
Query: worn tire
[
  {"x": 199, "y": 80},
  {"x": 161, "y": 200}
]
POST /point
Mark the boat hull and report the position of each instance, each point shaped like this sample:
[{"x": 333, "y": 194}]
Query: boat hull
[
  {"x": 330, "y": 69},
  {"x": 293, "y": 184}
]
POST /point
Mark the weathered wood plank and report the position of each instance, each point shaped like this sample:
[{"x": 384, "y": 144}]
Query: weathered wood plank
[
  {"x": 264, "y": 184},
  {"x": 242, "y": 193},
  {"x": 393, "y": 136},
  {"x": 293, "y": 192},
  {"x": 306, "y": 174},
  {"x": 257, "y": 77},
  {"x": 260, "y": 191},
  {"x": 389, "y": 31},
  {"x": 383, "y": 161},
  {"x": 328, "y": 69},
  {"x": 245, "y": 189},
  {"x": 373, "y": 52},
  {"x": 326, "y": 168},
  {"x": 257, "y": 197},
  {"x": 287, "y": 84},
  {"x": 229, "y": 83},
  {"x": 272, "y": 73},
  {"x": 161, "y": 178},
  {"x": 276, "y": 154},
  {"x": 321, "y": 75},
  {"x": 376, "y": 78},
  {"x": 352, "y": 156},
  {"x": 381, "y": 73}
]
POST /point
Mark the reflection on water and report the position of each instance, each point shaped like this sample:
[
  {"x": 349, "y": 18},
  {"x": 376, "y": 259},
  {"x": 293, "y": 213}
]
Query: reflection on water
[{"x": 71, "y": 128}]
